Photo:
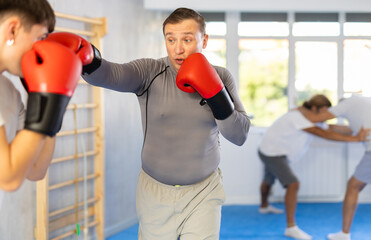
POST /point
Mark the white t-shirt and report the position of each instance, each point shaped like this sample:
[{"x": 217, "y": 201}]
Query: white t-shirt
[
  {"x": 285, "y": 136},
  {"x": 12, "y": 111},
  {"x": 357, "y": 110}
]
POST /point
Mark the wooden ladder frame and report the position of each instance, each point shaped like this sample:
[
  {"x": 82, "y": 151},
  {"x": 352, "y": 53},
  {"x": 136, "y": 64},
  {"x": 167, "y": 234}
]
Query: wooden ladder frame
[{"x": 42, "y": 229}]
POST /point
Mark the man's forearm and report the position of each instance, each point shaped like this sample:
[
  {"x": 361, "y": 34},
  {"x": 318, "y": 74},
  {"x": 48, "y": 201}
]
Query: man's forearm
[
  {"x": 235, "y": 128},
  {"x": 41, "y": 165}
]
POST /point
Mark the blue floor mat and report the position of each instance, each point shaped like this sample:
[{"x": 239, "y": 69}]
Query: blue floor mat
[{"x": 240, "y": 222}]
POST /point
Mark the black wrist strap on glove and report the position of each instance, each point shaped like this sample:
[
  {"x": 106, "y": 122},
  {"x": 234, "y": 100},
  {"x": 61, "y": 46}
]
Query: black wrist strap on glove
[
  {"x": 221, "y": 104},
  {"x": 97, "y": 60},
  {"x": 45, "y": 112}
]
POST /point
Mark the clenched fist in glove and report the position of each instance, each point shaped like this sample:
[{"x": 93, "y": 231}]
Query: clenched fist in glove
[
  {"x": 51, "y": 72},
  {"x": 89, "y": 55},
  {"x": 196, "y": 74}
]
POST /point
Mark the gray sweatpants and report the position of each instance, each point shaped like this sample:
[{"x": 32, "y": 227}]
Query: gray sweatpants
[
  {"x": 363, "y": 169},
  {"x": 277, "y": 167}
]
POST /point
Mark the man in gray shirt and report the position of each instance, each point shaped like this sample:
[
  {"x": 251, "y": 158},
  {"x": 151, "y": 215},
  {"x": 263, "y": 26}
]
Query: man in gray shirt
[{"x": 180, "y": 191}]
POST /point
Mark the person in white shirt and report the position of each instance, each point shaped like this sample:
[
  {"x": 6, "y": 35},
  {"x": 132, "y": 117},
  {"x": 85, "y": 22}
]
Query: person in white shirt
[
  {"x": 286, "y": 141},
  {"x": 357, "y": 110}
]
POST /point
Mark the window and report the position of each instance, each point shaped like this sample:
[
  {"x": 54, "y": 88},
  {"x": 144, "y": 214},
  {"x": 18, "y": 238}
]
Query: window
[
  {"x": 263, "y": 24},
  {"x": 316, "y": 24},
  {"x": 357, "y": 24},
  {"x": 216, "y": 28},
  {"x": 285, "y": 58},
  {"x": 316, "y": 29},
  {"x": 357, "y": 29},
  {"x": 263, "y": 68},
  {"x": 215, "y": 51},
  {"x": 316, "y": 70},
  {"x": 263, "y": 29},
  {"x": 357, "y": 54},
  {"x": 357, "y": 71},
  {"x": 263, "y": 65}
]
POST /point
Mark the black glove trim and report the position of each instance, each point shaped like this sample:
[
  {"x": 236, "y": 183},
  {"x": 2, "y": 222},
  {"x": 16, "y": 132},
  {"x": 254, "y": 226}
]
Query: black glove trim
[
  {"x": 45, "y": 112},
  {"x": 24, "y": 84},
  {"x": 221, "y": 104},
  {"x": 97, "y": 60}
]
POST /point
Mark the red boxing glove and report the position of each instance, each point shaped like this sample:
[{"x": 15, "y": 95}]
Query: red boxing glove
[
  {"x": 77, "y": 44},
  {"x": 196, "y": 73},
  {"x": 51, "y": 72},
  {"x": 88, "y": 54}
]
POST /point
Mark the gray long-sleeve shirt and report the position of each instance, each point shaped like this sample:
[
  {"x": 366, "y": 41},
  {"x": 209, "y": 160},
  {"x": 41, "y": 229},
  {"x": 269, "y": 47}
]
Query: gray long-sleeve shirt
[{"x": 181, "y": 137}]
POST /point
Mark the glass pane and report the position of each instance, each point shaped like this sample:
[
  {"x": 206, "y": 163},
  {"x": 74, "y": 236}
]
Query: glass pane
[
  {"x": 263, "y": 74},
  {"x": 216, "y": 28},
  {"x": 316, "y": 29},
  {"x": 316, "y": 70},
  {"x": 357, "y": 70},
  {"x": 215, "y": 52},
  {"x": 263, "y": 29},
  {"x": 357, "y": 29}
]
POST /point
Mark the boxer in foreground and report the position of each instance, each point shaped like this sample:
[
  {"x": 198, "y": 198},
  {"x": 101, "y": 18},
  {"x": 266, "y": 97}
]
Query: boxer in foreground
[{"x": 49, "y": 71}]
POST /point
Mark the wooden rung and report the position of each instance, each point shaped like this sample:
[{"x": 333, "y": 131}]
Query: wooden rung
[
  {"x": 80, "y": 19},
  {"x": 67, "y": 183},
  {"x": 69, "y": 208},
  {"x": 70, "y": 233},
  {"x": 69, "y": 219},
  {"x": 79, "y": 32},
  {"x": 71, "y": 157},
  {"x": 80, "y": 106},
  {"x": 79, "y": 131}
]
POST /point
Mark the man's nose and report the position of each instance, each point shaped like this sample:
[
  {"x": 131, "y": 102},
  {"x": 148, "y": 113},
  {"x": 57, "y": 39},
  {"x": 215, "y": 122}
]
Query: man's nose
[{"x": 179, "y": 48}]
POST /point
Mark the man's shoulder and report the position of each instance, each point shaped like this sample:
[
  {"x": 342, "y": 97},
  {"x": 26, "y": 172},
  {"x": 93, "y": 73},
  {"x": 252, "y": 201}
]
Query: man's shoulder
[
  {"x": 151, "y": 63},
  {"x": 163, "y": 60},
  {"x": 220, "y": 69},
  {"x": 223, "y": 73}
]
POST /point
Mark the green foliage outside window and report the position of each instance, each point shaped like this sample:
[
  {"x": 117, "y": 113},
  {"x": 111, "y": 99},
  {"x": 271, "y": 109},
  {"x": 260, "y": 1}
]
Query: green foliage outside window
[{"x": 263, "y": 85}]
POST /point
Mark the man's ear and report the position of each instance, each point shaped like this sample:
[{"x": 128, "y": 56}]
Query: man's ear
[
  {"x": 206, "y": 39},
  {"x": 12, "y": 26}
]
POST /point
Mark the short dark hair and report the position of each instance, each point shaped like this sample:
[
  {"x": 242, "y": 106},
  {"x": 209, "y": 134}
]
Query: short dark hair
[
  {"x": 181, "y": 14},
  {"x": 318, "y": 101},
  {"x": 30, "y": 11}
]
